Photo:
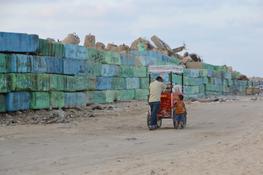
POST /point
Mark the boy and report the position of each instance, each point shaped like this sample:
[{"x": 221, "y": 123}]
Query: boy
[{"x": 180, "y": 112}]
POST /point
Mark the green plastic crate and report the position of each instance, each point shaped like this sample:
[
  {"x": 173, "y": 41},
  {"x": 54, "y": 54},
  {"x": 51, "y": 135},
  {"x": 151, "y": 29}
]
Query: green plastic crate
[
  {"x": 39, "y": 100},
  {"x": 127, "y": 71},
  {"x": 21, "y": 82},
  {"x": 57, "y": 82},
  {"x": 49, "y": 48},
  {"x": 118, "y": 83},
  {"x": 56, "y": 99},
  {"x": 3, "y": 83},
  {"x": 106, "y": 96},
  {"x": 140, "y": 71},
  {"x": 3, "y": 63},
  {"x": 2, "y": 103},
  {"x": 177, "y": 79},
  {"x": 191, "y": 90},
  {"x": 76, "y": 83},
  {"x": 41, "y": 82},
  {"x": 141, "y": 94},
  {"x": 91, "y": 84},
  {"x": 105, "y": 57},
  {"x": 93, "y": 69},
  {"x": 125, "y": 95},
  {"x": 203, "y": 72},
  {"x": 192, "y": 81},
  {"x": 112, "y": 58},
  {"x": 144, "y": 83}
]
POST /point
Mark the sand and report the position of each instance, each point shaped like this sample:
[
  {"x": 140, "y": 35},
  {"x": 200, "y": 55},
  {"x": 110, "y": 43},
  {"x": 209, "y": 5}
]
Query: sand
[{"x": 220, "y": 138}]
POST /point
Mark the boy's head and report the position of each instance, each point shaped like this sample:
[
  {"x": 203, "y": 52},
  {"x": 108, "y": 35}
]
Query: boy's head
[
  {"x": 159, "y": 78},
  {"x": 181, "y": 97}
]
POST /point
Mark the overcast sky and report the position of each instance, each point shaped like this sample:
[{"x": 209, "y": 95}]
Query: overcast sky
[{"x": 221, "y": 31}]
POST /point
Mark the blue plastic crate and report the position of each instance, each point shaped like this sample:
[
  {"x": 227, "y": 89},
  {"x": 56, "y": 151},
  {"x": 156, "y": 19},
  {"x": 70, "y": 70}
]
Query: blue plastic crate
[
  {"x": 20, "y": 63},
  {"x": 16, "y": 101},
  {"x": 110, "y": 70},
  {"x": 74, "y": 67},
  {"x": 18, "y": 42},
  {"x": 75, "y": 99},
  {"x": 39, "y": 64},
  {"x": 127, "y": 59},
  {"x": 75, "y": 52},
  {"x": 103, "y": 83},
  {"x": 54, "y": 65}
]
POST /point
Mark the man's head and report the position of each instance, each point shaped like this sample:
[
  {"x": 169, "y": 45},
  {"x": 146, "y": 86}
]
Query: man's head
[{"x": 159, "y": 78}]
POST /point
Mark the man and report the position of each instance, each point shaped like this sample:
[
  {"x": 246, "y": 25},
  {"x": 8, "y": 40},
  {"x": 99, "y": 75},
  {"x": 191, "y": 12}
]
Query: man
[{"x": 156, "y": 88}]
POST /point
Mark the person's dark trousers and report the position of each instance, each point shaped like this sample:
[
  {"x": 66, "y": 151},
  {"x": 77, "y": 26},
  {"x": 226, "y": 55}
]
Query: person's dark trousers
[{"x": 155, "y": 107}]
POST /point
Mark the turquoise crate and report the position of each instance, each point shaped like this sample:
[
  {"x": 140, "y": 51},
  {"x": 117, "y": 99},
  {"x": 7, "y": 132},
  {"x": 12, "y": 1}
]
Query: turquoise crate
[
  {"x": 125, "y": 95},
  {"x": 107, "y": 96},
  {"x": 3, "y": 83},
  {"x": 56, "y": 99},
  {"x": 132, "y": 83},
  {"x": 39, "y": 100},
  {"x": 141, "y": 94},
  {"x": 144, "y": 83}
]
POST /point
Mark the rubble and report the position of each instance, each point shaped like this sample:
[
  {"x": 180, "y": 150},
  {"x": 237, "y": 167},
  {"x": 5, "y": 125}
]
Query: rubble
[
  {"x": 100, "y": 46},
  {"x": 45, "y": 116},
  {"x": 242, "y": 77},
  {"x": 123, "y": 48},
  {"x": 90, "y": 41},
  {"x": 146, "y": 43},
  {"x": 112, "y": 47},
  {"x": 71, "y": 38}
]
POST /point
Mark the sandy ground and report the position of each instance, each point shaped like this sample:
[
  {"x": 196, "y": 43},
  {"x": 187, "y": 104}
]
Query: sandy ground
[{"x": 221, "y": 138}]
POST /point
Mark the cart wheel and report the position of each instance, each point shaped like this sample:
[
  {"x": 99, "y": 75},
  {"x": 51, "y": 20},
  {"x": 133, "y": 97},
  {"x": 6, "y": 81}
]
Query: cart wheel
[
  {"x": 159, "y": 121},
  {"x": 175, "y": 125}
]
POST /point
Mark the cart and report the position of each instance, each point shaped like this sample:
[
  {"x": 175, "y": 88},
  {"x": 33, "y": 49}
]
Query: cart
[{"x": 167, "y": 110}]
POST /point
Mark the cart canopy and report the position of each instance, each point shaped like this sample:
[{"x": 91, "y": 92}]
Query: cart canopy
[{"x": 165, "y": 68}]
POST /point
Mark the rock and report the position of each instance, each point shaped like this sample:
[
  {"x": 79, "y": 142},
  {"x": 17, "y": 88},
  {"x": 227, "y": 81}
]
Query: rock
[
  {"x": 71, "y": 38},
  {"x": 222, "y": 100},
  {"x": 179, "y": 49},
  {"x": 159, "y": 43},
  {"x": 51, "y": 39},
  {"x": 110, "y": 107},
  {"x": 90, "y": 41},
  {"x": 112, "y": 47},
  {"x": 18, "y": 112},
  {"x": 97, "y": 107},
  {"x": 254, "y": 98},
  {"x": 135, "y": 44},
  {"x": 61, "y": 116},
  {"x": 91, "y": 115},
  {"x": 123, "y": 48},
  {"x": 152, "y": 172},
  {"x": 100, "y": 46}
]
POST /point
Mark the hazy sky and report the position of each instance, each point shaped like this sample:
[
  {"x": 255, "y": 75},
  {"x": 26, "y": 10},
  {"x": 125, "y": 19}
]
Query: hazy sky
[{"x": 221, "y": 31}]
